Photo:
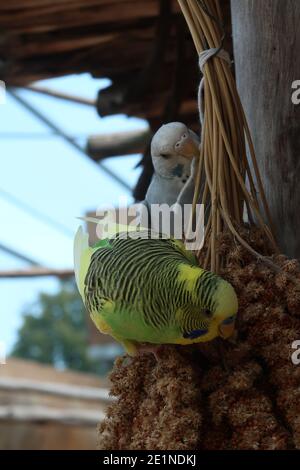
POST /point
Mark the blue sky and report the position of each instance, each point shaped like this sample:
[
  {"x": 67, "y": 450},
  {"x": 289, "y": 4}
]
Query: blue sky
[{"x": 44, "y": 172}]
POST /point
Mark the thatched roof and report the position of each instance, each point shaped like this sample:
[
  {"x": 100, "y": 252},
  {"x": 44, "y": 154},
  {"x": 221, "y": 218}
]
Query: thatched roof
[{"x": 143, "y": 46}]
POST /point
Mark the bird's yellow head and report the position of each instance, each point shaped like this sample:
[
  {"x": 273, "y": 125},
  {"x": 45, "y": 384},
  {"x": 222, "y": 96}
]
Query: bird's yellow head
[{"x": 213, "y": 309}]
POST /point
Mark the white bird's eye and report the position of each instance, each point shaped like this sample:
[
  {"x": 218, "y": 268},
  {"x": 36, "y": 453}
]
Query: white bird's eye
[
  {"x": 177, "y": 145},
  {"x": 184, "y": 136},
  {"x": 164, "y": 155}
]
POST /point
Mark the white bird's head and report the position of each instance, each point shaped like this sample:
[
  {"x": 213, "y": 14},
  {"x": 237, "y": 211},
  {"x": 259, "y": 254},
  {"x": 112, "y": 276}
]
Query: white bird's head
[{"x": 172, "y": 149}]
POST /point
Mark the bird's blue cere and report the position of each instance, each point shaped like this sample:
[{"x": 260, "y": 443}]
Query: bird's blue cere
[{"x": 229, "y": 320}]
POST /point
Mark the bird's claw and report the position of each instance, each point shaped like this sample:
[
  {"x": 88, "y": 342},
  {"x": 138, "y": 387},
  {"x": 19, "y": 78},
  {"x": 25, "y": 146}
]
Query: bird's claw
[{"x": 150, "y": 349}]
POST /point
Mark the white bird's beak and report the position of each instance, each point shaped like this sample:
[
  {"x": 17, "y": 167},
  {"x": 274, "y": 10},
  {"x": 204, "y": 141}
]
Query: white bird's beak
[{"x": 188, "y": 147}]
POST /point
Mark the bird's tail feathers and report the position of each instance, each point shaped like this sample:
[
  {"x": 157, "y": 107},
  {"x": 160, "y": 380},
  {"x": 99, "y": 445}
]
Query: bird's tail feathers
[
  {"x": 82, "y": 257},
  {"x": 92, "y": 220}
]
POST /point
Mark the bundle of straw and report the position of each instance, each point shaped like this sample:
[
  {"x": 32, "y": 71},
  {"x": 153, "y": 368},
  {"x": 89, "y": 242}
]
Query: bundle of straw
[{"x": 233, "y": 189}]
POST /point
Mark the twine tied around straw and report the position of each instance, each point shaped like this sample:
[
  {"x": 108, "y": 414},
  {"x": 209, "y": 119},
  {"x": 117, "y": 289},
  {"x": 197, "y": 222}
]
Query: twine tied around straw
[
  {"x": 227, "y": 178},
  {"x": 204, "y": 57}
]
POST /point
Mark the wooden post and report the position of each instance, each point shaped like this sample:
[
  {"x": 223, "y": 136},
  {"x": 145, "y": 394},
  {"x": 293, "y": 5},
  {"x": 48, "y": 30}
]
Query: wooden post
[{"x": 266, "y": 38}]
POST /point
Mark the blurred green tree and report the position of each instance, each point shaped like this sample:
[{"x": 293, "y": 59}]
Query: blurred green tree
[{"x": 55, "y": 332}]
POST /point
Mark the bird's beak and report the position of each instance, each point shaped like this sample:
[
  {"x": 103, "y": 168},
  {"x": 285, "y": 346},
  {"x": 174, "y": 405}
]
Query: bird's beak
[
  {"x": 226, "y": 331},
  {"x": 189, "y": 147}
]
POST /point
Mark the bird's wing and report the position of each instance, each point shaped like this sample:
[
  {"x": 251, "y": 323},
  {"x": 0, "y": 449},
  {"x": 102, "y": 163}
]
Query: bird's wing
[
  {"x": 180, "y": 248},
  {"x": 99, "y": 307},
  {"x": 192, "y": 323}
]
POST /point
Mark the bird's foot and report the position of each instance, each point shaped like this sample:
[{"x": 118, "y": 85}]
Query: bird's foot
[{"x": 147, "y": 348}]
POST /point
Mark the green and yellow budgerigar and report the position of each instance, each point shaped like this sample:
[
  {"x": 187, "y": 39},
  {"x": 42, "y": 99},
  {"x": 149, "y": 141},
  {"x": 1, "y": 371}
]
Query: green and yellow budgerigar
[{"x": 148, "y": 290}]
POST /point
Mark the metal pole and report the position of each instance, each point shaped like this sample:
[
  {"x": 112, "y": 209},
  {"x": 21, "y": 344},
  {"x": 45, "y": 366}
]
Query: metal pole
[
  {"x": 16, "y": 254},
  {"x": 60, "y": 95},
  {"x": 64, "y": 136}
]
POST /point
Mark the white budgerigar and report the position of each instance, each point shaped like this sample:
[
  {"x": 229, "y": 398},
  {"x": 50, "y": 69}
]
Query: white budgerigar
[{"x": 173, "y": 148}]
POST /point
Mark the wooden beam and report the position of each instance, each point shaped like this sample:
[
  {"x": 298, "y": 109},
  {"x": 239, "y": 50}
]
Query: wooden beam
[
  {"x": 54, "y": 388},
  {"x": 60, "y": 95},
  {"x": 36, "y": 272},
  {"x": 118, "y": 143},
  {"x": 266, "y": 40},
  {"x": 77, "y": 13},
  {"x": 40, "y": 413}
]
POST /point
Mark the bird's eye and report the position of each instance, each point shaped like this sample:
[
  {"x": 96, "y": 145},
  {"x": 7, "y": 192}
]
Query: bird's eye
[
  {"x": 184, "y": 136},
  {"x": 164, "y": 155},
  {"x": 207, "y": 313},
  {"x": 177, "y": 145}
]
